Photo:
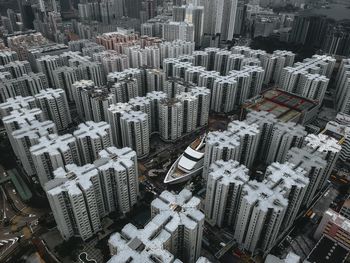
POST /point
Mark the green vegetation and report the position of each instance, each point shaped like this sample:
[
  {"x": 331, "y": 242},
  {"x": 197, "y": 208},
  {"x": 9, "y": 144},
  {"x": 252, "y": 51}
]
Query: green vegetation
[
  {"x": 69, "y": 248},
  {"x": 286, "y": 9},
  {"x": 7, "y": 156},
  {"x": 270, "y": 44}
]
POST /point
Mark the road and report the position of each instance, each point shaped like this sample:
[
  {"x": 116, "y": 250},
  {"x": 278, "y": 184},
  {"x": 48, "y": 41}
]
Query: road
[
  {"x": 325, "y": 200},
  {"x": 22, "y": 220},
  {"x": 6, "y": 211},
  {"x": 303, "y": 227}
]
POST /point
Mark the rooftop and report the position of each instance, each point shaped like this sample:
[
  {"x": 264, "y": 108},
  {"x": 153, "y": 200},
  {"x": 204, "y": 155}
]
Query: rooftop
[
  {"x": 141, "y": 245},
  {"x": 134, "y": 116},
  {"x": 184, "y": 209},
  {"x": 322, "y": 143},
  {"x": 223, "y": 139},
  {"x": 246, "y": 70},
  {"x": 83, "y": 83},
  {"x": 168, "y": 102},
  {"x": 260, "y": 117},
  {"x": 139, "y": 101},
  {"x": 53, "y": 144},
  {"x": 242, "y": 128},
  {"x": 304, "y": 158},
  {"x": 262, "y": 196},
  {"x": 16, "y": 103},
  {"x": 337, "y": 219},
  {"x": 291, "y": 128},
  {"x": 229, "y": 172},
  {"x": 35, "y": 129},
  {"x": 285, "y": 106},
  {"x": 71, "y": 179},
  {"x": 92, "y": 129},
  {"x": 286, "y": 176},
  {"x": 115, "y": 76},
  {"x": 117, "y": 159},
  {"x": 23, "y": 116},
  {"x": 50, "y": 93},
  {"x": 327, "y": 251},
  {"x": 156, "y": 95},
  {"x": 119, "y": 108},
  {"x": 198, "y": 91}
]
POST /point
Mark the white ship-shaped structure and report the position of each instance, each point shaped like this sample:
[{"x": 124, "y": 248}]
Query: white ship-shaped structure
[{"x": 189, "y": 164}]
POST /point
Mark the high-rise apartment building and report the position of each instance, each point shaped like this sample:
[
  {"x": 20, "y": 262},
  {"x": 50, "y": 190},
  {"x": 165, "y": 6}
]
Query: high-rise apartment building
[
  {"x": 154, "y": 238},
  {"x": 155, "y": 98},
  {"x": 16, "y": 103},
  {"x": 17, "y": 68},
  {"x": 284, "y": 136},
  {"x": 54, "y": 104},
  {"x": 313, "y": 86},
  {"x": 125, "y": 89},
  {"x": 81, "y": 196},
  {"x": 339, "y": 128},
  {"x": 155, "y": 79},
  {"x": 27, "y": 136},
  {"x": 115, "y": 111},
  {"x": 131, "y": 73},
  {"x": 221, "y": 62},
  {"x": 234, "y": 62},
  {"x": 171, "y": 113},
  {"x": 176, "y": 48},
  {"x": 92, "y": 137},
  {"x": 249, "y": 81},
  {"x": 220, "y": 146},
  {"x": 273, "y": 65},
  {"x": 19, "y": 118},
  {"x": 291, "y": 81},
  {"x": 190, "y": 111},
  {"x": 96, "y": 101},
  {"x": 328, "y": 148},
  {"x": 47, "y": 64},
  {"x": 186, "y": 224},
  {"x": 26, "y": 85},
  {"x": 192, "y": 74},
  {"x": 77, "y": 88},
  {"x": 203, "y": 95},
  {"x": 342, "y": 87},
  {"x": 119, "y": 173},
  {"x": 52, "y": 152},
  {"x": 92, "y": 102},
  {"x": 220, "y": 16},
  {"x": 207, "y": 79},
  {"x": 143, "y": 104},
  {"x": 260, "y": 216},
  {"x": 223, "y": 95},
  {"x": 266, "y": 122},
  {"x": 64, "y": 77},
  {"x": 201, "y": 58},
  {"x": 224, "y": 187},
  {"x": 194, "y": 14},
  {"x": 73, "y": 196},
  {"x": 7, "y": 56},
  {"x": 114, "y": 63},
  {"x": 178, "y": 31},
  {"x": 309, "y": 29},
  {"x": 293, "y": 183},
  {"x": 249, "y": 135},
  {"x": 135, "y": 132},
  {"x": 313, "y": 164}
]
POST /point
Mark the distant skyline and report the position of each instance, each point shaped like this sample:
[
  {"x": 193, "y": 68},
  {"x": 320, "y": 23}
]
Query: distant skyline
[
  {"x": 8, "y": 4},
  {"x": 336, "y": 12}
]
